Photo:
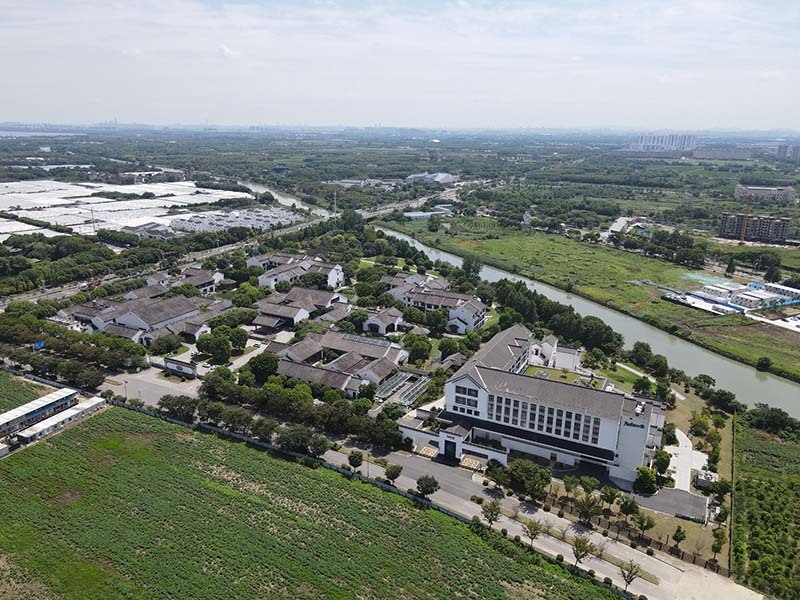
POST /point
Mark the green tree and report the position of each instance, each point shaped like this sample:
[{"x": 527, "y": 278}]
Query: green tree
[
  {"x": 644, "y": 522},
  {"x": 263, "y": 429},
  {"x": 588, "y": 507},
  {"x": 166, "y": 344},
  {"x": 179, "y": 407},
  {"x": 731, "y": 268},
  {"x": 581, "y": 548},
  {"x": 630, "y": 572},
  {"x": 427, "y": 485},
  {"x": 642, "y": 385},
  {"x": 263, "y": 366},
  {"x": 392, "y": 472},
  {"x": 448, "y": 346},
  {"x": 764, "y": 363},
  {"x": 679, "y": 536},
  {"x": 294, "y": 438},
  {"x": 355, "y": 458},
  {"x": 491, "y": 511},
  {"x": 628, "y": 506},
  {"x": 773, "y": 274},
  {"x": 534, "y": 529},
  {"x": 318, "y": 445},
  {"x": 720, "y": 537},
  {"x": 238, "y": 338},
  {"x": 661, "y": 461},
  {"x": 570, "y": 484},
  {"x": 589, "y": 484},
  {"x": 283, "y": 287},
  {"x": 609, "y": 495},
  {"x": 217, "y": 346},
  {"x": 646, "y": 482}
]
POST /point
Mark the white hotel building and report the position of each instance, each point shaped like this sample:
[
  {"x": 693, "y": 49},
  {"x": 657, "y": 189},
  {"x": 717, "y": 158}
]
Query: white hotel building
[{"x": 492, "y": 408}]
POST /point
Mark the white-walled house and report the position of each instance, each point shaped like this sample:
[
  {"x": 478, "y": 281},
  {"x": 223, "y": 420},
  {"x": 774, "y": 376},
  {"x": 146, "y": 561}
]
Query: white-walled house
[{"x": 280, "y": 266}]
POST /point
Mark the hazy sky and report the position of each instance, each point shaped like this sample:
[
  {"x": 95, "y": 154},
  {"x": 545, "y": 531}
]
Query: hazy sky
[{"x": 631, "y": 63}]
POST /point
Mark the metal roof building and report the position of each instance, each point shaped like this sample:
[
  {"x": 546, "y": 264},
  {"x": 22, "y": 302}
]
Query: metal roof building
[{"x": 36, "y": 410}]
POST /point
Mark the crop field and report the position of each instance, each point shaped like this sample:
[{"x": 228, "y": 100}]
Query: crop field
[
  {"x": 127, "y": 506},
  {"x": 15, "y": 392},
  {"x": 766, "y": 522},
  {"x": 624, "y": 281}
]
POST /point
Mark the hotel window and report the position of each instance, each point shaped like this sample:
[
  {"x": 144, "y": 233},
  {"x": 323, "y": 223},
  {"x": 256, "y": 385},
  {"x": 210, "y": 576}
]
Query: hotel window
[
  {"x": 595, "y": 430},
  {"x": 471, "y": 392},
  {"x": 490, "y": 404},
  {"x": 576, "y": 434},
  {"x": 472, "y": 402},
  {"x": 461, "y": 390},
  {"x": 585, "y": 435},
  {"x": 567, "y": 427},
  {"x": 461, "y": 400}
]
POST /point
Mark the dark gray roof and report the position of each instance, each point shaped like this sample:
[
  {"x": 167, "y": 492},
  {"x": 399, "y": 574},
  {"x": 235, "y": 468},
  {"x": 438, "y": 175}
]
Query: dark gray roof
[
  {"x": 503, "y": 349},
  {"x": 121, "y": 331},
  {"x": 318, "y": 298},
  {"x": 334, "y": 379},
  {"x": 157, "y": 311}
]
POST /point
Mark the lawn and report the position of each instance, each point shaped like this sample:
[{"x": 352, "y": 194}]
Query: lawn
[
  {"x": 127, "y": 506},
  {"x": 627, "y": 282},
  {"x": 15, "y": 391}
]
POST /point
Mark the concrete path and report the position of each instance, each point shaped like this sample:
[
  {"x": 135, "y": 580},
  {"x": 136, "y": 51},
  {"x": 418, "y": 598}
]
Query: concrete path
[{"x": 684, "y": 459}]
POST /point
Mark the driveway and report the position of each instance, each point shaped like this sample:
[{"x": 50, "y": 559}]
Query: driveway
[{"x": 684, "y": 460}]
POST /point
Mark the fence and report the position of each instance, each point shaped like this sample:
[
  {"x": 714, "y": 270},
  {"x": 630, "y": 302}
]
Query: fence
[{"x": 642, "y": 540}]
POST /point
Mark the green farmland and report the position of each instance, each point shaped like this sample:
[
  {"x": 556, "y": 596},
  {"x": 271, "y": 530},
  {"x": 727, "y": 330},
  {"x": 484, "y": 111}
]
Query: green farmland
[
  {"x": 14, "y": 391},
  {"x": 127, "y": 506}
]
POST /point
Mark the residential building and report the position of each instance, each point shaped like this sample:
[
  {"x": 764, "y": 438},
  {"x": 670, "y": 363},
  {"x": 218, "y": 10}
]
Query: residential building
[
  {"x": 465, "y": 313},
  {"x": 663, "y": 143},
  {"x": 279, "y": 266},
  {"x": 758, "y": 228},
  {"x": 349, "y": 384},
  {"x": 783, "y": 290},
  {"x": 723, "y": 153},
  {"x": 385, "y": 321},
  {"x": 492, "y": 407},
  {"x": 784, "y": 193}
]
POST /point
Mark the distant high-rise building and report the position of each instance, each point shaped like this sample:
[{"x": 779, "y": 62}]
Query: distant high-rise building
[
  {"x": 663, "y": 143},
  {"x": 760, "y": 228},
  {"x": 785, "y": 193},
  {"x": 788, "y": 152}
]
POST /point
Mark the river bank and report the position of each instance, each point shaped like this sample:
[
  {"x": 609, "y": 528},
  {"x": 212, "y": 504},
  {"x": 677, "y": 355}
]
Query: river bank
[
  {"x": 750, "y": 385},
  {"x": 629, "y": 284}
]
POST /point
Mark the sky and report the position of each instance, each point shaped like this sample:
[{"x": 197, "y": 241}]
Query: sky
[{"x": 680, "y": 65}]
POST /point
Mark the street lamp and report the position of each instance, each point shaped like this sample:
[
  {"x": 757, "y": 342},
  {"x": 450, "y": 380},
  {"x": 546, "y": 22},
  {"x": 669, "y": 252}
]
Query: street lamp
[{"x": 125, "y": 382}]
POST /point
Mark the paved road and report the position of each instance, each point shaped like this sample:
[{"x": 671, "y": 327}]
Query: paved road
[{"x": 677, "y": 580}]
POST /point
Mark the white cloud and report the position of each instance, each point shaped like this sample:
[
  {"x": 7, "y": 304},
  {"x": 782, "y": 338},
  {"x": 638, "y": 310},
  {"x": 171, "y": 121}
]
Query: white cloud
[{"x": 462, "y": 63}]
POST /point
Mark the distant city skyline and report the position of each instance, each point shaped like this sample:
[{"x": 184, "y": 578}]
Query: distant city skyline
[{"x": 642, "y": 66}]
